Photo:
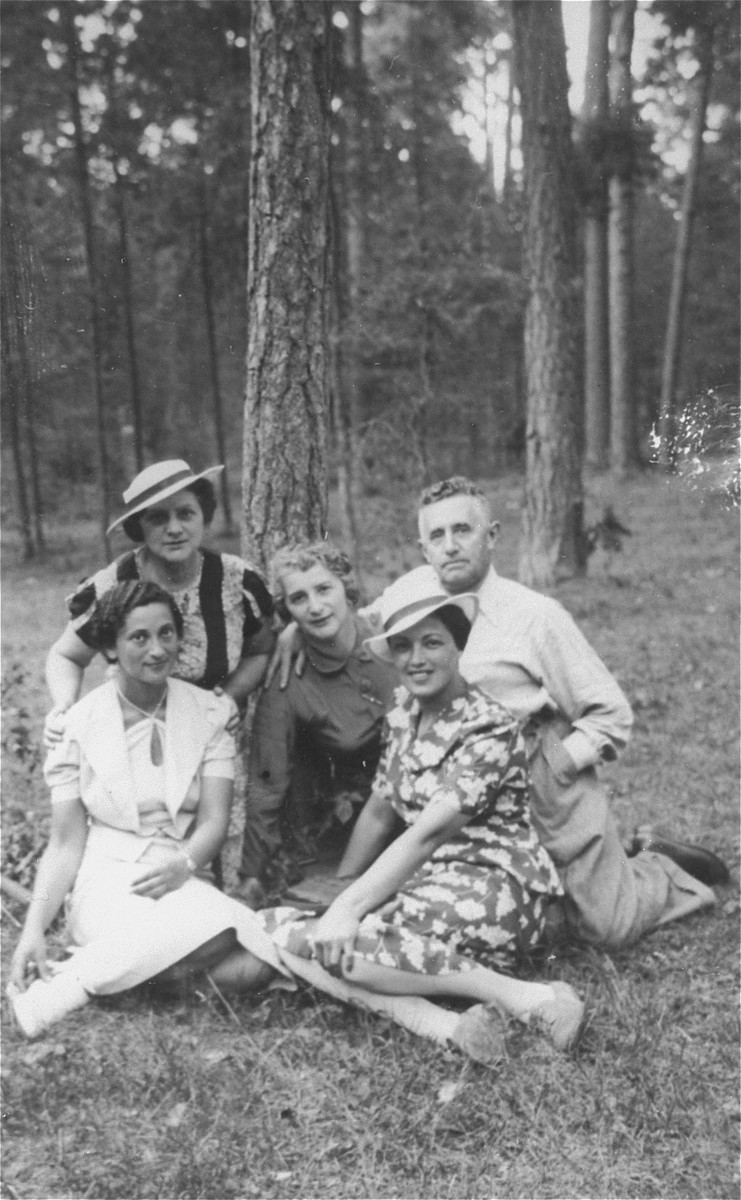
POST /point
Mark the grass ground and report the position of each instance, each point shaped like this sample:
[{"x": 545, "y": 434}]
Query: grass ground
[{"x": 295, "y": 1096}]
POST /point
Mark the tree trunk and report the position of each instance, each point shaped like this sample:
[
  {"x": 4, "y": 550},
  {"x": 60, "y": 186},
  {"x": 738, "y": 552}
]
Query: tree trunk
[
  {"x": 13, "y": 405},
  {"x": 552, "y": 523},
  {"x": 286, "y": 405},
  {"x": 213, "y": 357},
  {"x": 18, "y": 299},
  {"x": 94, "y": 301},
  {"x": 128, "y": 299},
  {"x": 623, "y": 433},
  {"x": 596, "y": 326},
  {"x": 675, "y": 317}
]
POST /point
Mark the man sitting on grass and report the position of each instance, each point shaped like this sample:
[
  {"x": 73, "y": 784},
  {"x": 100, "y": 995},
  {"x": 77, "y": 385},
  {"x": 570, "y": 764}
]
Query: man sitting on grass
[{"x": 527, "y": 652}]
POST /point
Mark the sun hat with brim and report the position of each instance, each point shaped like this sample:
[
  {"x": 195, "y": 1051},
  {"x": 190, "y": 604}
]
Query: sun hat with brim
[
  {"x": 406, "y": 603},
  {"x": 156, "y": 483}
]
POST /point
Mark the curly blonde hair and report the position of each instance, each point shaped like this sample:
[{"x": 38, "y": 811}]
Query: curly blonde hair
[{"x": 302, "y": 556}]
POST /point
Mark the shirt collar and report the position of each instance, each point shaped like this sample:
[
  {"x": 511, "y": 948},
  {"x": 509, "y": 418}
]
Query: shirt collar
[{"x": 325, "y": 664}]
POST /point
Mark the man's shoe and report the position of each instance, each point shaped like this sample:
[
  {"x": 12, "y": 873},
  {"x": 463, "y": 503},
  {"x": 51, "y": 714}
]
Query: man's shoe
[{"x": 698, "y": 862}]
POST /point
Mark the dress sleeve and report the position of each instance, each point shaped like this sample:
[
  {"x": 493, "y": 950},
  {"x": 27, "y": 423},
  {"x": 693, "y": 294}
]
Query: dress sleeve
[
  {"x": 81, "y": 606},
  {"x": 220, "y": 753},
  {"x": 62, "y": 770},
  {"x": 487, "y": 761},
  {"x": 257, "y": 636}
]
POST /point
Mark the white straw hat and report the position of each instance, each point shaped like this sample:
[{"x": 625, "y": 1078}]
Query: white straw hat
[
  {"x": 407, "y": 602},
  {"x": 157, "y": 482}
]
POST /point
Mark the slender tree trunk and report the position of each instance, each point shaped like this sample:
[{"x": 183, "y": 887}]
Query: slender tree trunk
[
  {"x": 508, "y": 180},
  {"x": 18, "y": 299},
  {"x": 286, "y": 405},
  {"x": 675, "y": 317},
  {"x": 94, "y": 303},
  {"x": 596, "y": 326},
  {"x": 213, "y": 357},
  {"x": 128, "y": 299},
  {"x": 623, "y": 433},
  {"x": 552, "y": 523},
  {"x": 13, "y": 405}
]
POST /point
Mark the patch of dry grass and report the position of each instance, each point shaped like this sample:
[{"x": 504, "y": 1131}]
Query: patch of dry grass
[{"x": 136, "y": 1097}]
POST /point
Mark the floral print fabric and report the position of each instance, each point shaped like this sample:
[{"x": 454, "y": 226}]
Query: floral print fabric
[{"x": 481, "y": 897}]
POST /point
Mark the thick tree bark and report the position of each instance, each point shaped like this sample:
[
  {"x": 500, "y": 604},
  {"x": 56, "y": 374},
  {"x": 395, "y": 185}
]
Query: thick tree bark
[
  {"x": 94, "y": 303},
  {"x": 13, "y": 406},
  {"x": 623, "y": 432},
  {"x": 596, "y": 326},
  {"x": 675, "y": 317},
  {"x": 552, "y": 522},
  {"x": 213, "y": 356},
  {"x": 286, "y": 405}
]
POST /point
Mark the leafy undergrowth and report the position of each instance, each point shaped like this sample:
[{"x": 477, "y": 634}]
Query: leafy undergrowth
[{"x": 295, "y": 1096}]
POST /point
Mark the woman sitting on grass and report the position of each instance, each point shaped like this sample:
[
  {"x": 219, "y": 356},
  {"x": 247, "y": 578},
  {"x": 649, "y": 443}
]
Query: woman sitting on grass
[
  {"x": 141, "y": 788},
  {"x": 451, "y": 884},
  {"x": 315, "y": 744}
]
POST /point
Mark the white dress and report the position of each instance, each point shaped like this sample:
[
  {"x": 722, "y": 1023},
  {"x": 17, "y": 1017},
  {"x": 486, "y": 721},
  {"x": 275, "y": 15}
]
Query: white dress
[{"x": 140, "y": 814}]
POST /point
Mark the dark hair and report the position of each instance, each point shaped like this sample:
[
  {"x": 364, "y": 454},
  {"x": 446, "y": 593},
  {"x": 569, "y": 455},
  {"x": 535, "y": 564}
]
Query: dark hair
[
  {"x": 114, "y": 607},
  {"x": 302, "y": 556},
  {"x": 456, "y": 622},
  {"x": 204, "y": 492}
]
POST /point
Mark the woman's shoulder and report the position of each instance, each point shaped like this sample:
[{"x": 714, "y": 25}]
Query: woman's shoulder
[
  {"x": 213, "y": 707},
  {"x": 242, "y": 579},
  {"x": 479, "y": 712},
  {"x": 92, "y": 705},
  {"x": 90, "y": 589}
]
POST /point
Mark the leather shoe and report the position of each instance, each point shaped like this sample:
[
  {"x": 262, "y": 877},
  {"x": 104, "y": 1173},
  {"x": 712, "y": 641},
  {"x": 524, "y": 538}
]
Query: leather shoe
[{"x": 698, "y": 862}]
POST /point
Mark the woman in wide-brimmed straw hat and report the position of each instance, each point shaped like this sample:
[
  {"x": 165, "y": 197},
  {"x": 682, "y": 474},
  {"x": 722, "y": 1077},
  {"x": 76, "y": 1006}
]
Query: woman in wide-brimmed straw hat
[
  {"x": 449, "y": 882},
  {"x": 225, "y": 604}
]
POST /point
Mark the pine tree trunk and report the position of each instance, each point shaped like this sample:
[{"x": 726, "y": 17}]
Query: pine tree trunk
[
  {"x": 623, "y": 432},
  {"x": 596, "y": 325},
  {"x": 286, "y": 404},
  {"x": 675, "y": 317},
  {"x": 94, "y": 301},
  {"x": 552, "y": 541},
  {"x": 213, "y": 357}
]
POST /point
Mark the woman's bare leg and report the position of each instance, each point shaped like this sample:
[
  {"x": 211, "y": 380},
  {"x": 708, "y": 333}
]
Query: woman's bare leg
[
  {"x": 553, "y": 1007},
  {"x": 516, "y": 997}
]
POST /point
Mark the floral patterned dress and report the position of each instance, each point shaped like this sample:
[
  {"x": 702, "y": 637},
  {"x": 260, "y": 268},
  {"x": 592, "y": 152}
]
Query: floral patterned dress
[{"x": 481, "y": 896}]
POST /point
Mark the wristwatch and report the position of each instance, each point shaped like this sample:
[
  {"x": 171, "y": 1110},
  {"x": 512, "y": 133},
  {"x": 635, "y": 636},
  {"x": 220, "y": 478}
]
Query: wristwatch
[{"x": 190, "y": 863}]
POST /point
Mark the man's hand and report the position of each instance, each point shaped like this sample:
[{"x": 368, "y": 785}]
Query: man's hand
[{"x": 287, "y": 647}]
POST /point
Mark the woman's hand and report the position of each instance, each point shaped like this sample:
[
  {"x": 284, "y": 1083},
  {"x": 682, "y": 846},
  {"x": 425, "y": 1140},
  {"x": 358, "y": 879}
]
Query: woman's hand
[
  {"x": 163, "y": 878},
  {"x": 30, "y": 951},
  {"x": 54, "y": 726},
  {"x": 235, "y": 717},
  {"x": 333, "y": 936}
]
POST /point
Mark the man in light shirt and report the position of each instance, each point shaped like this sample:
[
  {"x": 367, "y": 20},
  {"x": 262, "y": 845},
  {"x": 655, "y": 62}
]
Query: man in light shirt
[{"x": 526, "y": 651}]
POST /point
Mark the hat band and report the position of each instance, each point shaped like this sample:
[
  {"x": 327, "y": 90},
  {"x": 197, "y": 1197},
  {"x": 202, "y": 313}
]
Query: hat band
[
  {"x": 430, "y": 602},
  {"x": 156, "y": 488}
]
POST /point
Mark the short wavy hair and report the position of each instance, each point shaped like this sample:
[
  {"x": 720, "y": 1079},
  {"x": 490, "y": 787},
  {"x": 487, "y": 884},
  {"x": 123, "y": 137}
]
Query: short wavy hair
[
  {"x": 205, "y": 494},
  {"x": 456, "y": 485},
  {"x": 114, "y": 607},
  {"x": 302, "y": 556}
]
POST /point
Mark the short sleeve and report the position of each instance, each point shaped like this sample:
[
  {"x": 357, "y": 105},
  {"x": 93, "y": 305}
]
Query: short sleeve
[
  {"x": 62, "y": 770},
  {"x": 257, "y": 635},
  {"x": 220, "y": 753},
  {"x": 82, "y": 604}
]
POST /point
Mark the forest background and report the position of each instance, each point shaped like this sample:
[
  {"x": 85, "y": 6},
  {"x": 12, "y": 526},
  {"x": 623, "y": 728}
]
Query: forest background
[
  {"x": 125, "y": 168},
  {"x": 126, "y": 207}
]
